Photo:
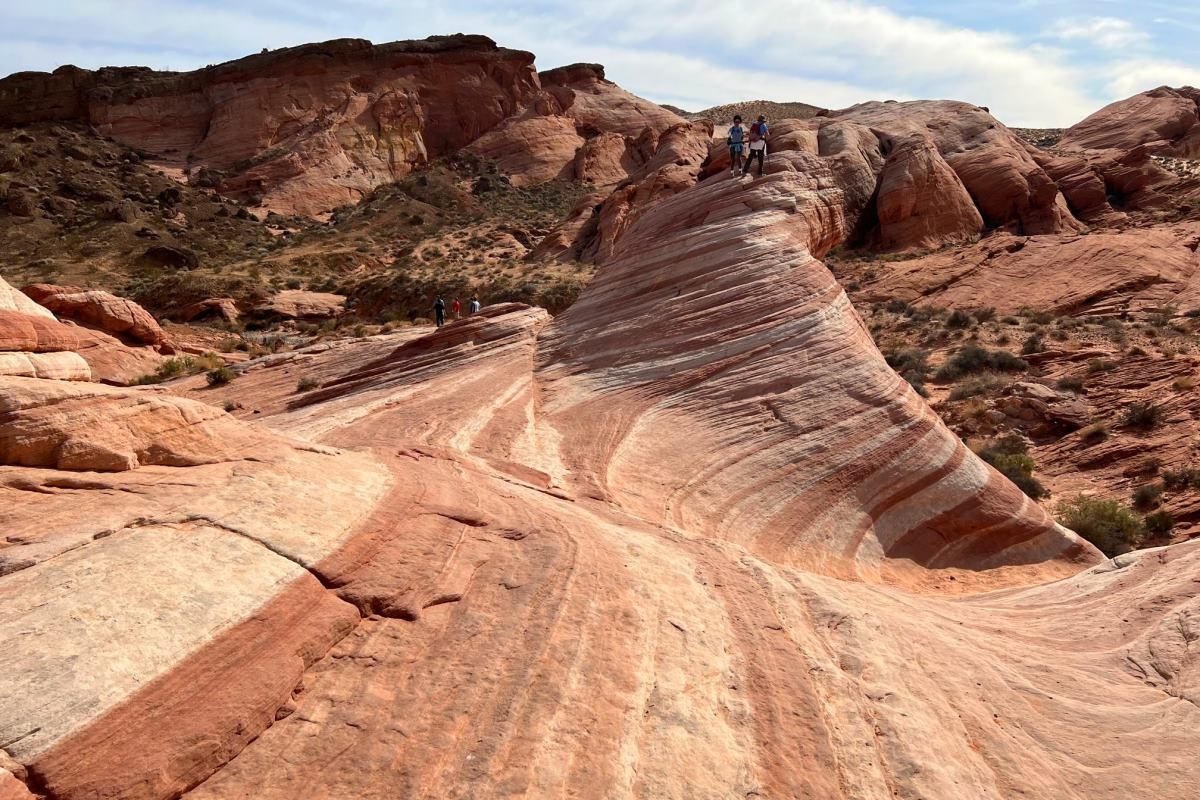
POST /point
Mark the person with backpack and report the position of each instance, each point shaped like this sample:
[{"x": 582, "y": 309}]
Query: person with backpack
[
  {"x": 439, "y": 311},
  {"x": 736, "y": 138},
  {"x": 456, "y": 308},
  {"x": 473, "y": 307},
  {"x": 758, "y": 145}
]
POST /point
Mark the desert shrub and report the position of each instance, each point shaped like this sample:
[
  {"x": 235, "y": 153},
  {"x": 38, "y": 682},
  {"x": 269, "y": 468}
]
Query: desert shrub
[
  {"x": 1010, "y": 320},
  {"x": 979, "y": 385},
  {"x": 307, "y": 383},
  {"x": 1036, "y": 317},
  {"x": 1097, "y": 365},
  {"x": 179, "y": 367},
  {"x": 1143, "y": 416},
  {"x": 974, "y": 359},
  {"x": 958, "y": 319},
  {"x": 1108, "y": 524},
  {"x": 1070, "y": 383},
  {"x": 1033, "y": 344},
  {"x": 1161, "y": 318},
  {"x": 910, "y": 363},
  {"x": 985, "y": 315},
  {"x": 1135, "y": 352},
  {"x": 1182, "y": 478},
  {"x": 1160, "y": 523},
  {"x": 1184, "y": 384},
  {"x": 1095, "y": 433},
  {"x": 1010, "y": 456},
  {"x": 1147, "y": 496},
  {"x": 220, "y": 376},
  {"x": 896, "y": 306}
]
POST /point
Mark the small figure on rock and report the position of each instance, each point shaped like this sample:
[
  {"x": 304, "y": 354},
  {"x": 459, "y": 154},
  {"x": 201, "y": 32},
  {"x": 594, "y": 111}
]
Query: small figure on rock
[
  {"x": 473, "y": 307},
  {"x": 758, "y": 145},
  {"x": 736, "y": 139},
  {"x": 439, "y": 311},
  {"x": 456, "y": 307}
]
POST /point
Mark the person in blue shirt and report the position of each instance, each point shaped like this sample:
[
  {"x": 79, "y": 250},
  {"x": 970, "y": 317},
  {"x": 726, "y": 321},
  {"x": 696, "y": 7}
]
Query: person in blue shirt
[
  {"x": 736, "y": 139},
  {"x": 758, "y": 145}
]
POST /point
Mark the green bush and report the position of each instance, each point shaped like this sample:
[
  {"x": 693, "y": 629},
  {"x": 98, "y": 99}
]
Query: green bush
[
  {"x": 1108, "y": 524},
  {"x": 1010, "y": 456},
  {"x": 1160, "y": 522},
  {"x": 912, "y": 364},
  {"x": 1179, "y": 479},
  {"x": 179, "y": 367},
  {"x": 1147, "y": 496},
  {"x": 985, "y": 315},
  {"x": 958, "y": 319},
  {"x": 1143, "y": 416},
  {"x": 220, "y": 376},
  {"x": 307, "y": 383},
  {"x": 973, "y": 359}
]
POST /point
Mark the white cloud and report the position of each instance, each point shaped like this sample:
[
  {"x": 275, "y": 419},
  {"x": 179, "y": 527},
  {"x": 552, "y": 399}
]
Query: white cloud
[
  {"x": 1131, "y": 76},
  {"x": 1107, "y": 32}
]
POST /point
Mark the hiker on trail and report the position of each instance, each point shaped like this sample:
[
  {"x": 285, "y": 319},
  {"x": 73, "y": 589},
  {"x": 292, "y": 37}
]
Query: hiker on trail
[
  {"x": 439, "y": 311},
  {"x": 456, "y": 307},
  {"x": 758, "y": 145},
  {"x": 736, "y": 139},
  {"x": 473, "y": 307}
]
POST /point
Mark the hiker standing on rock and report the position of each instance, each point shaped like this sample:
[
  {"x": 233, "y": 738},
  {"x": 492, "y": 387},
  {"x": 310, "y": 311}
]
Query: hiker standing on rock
[
  {"x": 736, "y": 139},
  {"x": 473, "y": 307},
  {"x": 439, "y": 311},
  {"x": 456, "y": 307},
  {"x": 758, "y": 145}
]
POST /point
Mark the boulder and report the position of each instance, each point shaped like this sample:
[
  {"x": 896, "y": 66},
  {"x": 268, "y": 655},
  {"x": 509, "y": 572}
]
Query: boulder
[
  {"x": 103, "y": 311},
  {"x": 222, "y": 308},
  {"x": 301, "y": 304}
]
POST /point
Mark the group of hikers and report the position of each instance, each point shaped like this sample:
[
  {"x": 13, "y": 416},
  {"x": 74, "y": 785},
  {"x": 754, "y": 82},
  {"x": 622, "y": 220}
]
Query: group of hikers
[
  {"x": 439, "y": 309},
  {"x": 747, "y": 144}
]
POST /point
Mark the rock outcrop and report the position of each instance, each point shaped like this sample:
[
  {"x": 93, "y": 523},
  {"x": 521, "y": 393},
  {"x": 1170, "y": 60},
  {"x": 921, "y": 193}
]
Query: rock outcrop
[
  {"x": 117, "y": 316},
  {"x": 584, "y": 127},
  {"x": 33, "y": 343},
  {"x": 302, "y": 129},
  {"x": 1165, "y": 121},
  {"x": 1110, "y": 271}
]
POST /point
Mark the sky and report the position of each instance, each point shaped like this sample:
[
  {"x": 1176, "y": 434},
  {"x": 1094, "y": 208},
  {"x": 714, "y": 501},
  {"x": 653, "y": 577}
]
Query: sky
[{"x": 1034, "y": 63}]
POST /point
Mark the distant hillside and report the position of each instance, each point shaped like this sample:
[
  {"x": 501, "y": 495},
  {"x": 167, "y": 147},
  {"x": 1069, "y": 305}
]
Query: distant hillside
[{"x": 751, "y": 109}]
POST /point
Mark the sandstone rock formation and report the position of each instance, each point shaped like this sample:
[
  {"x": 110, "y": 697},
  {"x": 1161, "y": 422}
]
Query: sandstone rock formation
[
  {"x": 301, "y": 304},
  {"x": 1110, "y": 271},
  {"x": 584, "y": 127},
  {"x": 33, "y": 343},
  {"x": 1165, "y": 121},
  {"x": 304, "y": 128},
  {"x": 690, "y": 538},
  {"x": 116, "y": 316}
]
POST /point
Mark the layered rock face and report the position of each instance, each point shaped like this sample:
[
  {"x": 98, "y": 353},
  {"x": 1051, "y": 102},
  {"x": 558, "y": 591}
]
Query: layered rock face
[
  {"x": 1165, "y": 121},
  {"x": 33, "y": 343},
  {"x": 583, "y": 127},
  {"x": 916, "y": 175},
  {"x": 306, "y": 128}
]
